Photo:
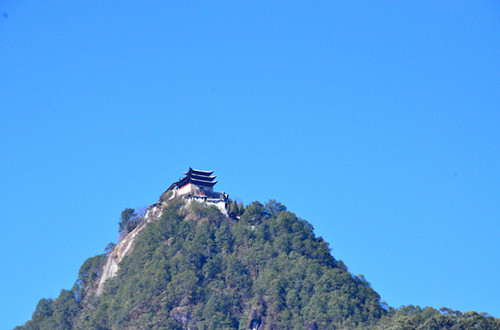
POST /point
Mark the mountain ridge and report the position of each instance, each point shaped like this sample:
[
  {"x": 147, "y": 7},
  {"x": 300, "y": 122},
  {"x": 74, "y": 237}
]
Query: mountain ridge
[{"x": 189, "y": 266}]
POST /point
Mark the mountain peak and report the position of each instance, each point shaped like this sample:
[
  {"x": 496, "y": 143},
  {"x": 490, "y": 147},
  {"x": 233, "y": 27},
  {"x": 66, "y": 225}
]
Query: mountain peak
[{"x": 190, "y": 264}]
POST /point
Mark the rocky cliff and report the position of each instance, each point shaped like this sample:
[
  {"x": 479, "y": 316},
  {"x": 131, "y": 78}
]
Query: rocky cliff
[{"x": 124, "y": 247}]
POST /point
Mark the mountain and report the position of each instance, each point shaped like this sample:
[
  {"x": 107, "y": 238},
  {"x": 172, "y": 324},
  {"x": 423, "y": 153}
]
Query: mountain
[{"x": 191, "y": 265}]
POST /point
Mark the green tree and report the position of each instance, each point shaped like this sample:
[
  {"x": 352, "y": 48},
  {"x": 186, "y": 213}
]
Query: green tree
[
  {"x": 129, "y": 220},
  {"x": 195, "y": 268}
]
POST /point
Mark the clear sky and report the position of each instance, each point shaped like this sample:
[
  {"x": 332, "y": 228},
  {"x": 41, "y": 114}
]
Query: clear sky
[{"x": 378, "y": 122}]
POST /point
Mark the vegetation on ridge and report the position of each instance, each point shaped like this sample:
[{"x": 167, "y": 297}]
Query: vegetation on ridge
[
  {"x": 129, "y": 220},
  {"x": 196, "y": 268}
]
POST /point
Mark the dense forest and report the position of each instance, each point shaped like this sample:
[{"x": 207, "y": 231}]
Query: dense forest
[{"x": 261, "y": 267}]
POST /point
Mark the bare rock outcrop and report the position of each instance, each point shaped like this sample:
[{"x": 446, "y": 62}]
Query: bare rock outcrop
[
  {"x": 124, "y": 247},
  {"x": 257, "y": 316}
]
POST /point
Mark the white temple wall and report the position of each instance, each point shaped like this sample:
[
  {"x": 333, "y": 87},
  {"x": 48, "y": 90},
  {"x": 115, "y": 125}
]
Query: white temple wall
[
  {"x": 189, "y": 188},
  {"x": 221, "y": 205}
]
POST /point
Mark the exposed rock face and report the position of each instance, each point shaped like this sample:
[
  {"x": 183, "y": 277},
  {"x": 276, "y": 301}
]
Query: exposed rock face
[
  {"x": 255, "y": 324},
  {"x": 310, "y": 325},
  {"x": 257, "y": 314},
  {"x": 124, "y": 247},
  {"x": 182, "y": 314}
]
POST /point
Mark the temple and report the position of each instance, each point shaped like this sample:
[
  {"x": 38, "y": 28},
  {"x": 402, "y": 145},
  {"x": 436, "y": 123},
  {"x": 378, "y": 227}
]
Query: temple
[{"x": 198, "y": 185}]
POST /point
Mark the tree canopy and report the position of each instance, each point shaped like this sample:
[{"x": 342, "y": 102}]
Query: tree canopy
[
  {"x": 262, "y": 267},
  {"x": 129, "y": 220}
]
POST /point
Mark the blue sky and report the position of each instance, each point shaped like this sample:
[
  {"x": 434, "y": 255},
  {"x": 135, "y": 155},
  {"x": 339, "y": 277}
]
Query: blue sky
[{"x": 378, "y": 122}]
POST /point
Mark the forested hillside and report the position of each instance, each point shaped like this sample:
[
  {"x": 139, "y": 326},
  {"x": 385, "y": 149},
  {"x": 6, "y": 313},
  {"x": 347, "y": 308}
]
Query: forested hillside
[{"x": 260, "y": 268}]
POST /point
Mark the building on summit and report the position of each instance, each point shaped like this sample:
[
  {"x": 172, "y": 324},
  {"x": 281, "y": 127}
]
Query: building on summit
[{"x": 198, "y": 185}]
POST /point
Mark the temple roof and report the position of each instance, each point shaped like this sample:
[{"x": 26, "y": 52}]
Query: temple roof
[
  {"x": 196, "y": 177},
  {"x": 187, "y": 179},
  {"x": 203, "y": 178},
  {"x": 198, "y": 172}
]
